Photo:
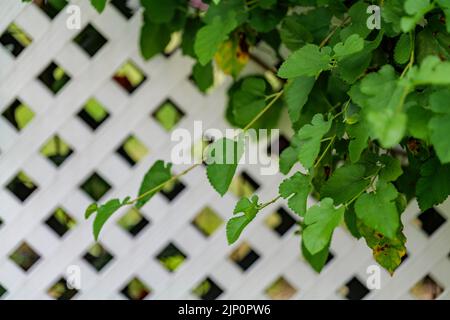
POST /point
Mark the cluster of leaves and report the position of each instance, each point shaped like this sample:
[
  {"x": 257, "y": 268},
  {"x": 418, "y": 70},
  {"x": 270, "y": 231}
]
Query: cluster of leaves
[{"x": 370, "y": 109}]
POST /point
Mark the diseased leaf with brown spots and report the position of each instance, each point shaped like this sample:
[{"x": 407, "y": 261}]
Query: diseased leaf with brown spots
[{"x": 387, "y": 252}]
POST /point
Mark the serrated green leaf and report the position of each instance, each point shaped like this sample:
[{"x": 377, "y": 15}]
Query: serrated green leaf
[
  {"x": 382, "y": 97},
  {"x": 418, "y": 119},
  {"x": 309, "y": 137},
  {"x": 296, "y": 189},
  {"x": 352, "y": 222},
  {"x": 153, "y": 181},
  {"x": 237, "y": 224},
  {"x": 416, "y": 9},
  {"x": 210, "y": 37},
  {"x": 345, "y": 183},
  {"x": 293, "y": 33},
  {"x": 433, "y": 186},
  {"x": 222, "y": 161},
  {"x": 296, "y": 94},
  {"x": 351, "y": 45},
  {"x": 309, "y": 61},
  {"x": 432, "y": 71},
  {"x": 378, "y": 209},
  {"x": 320, "y": 222}
]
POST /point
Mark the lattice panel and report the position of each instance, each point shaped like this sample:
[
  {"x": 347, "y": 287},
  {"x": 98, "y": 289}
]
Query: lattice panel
[{"x": 164, "y": 253}]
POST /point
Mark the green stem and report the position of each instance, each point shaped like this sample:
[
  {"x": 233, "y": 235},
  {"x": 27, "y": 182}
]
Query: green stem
[
  {"x": 270, "y": 202},
  {"x": 260, "y": 114},
  {"x": 328, "y": 37},
  {"x": 411, "y": 58},
  {"x": 175, "y": 177},
  {"x": 325, "y": 151},
  {"x": 160, "y": 186}
]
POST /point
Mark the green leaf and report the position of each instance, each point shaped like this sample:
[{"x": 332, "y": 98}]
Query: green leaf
[
  {"x": 222, "y": 161},
  {"x": 432, "y": 71},
  {"x": 158, "y": 11},
  {"x": 352, "y": 222},
  {"x": 90, "y": 210},
  {"x": 189, "y": 32},
  {"x": 387, "y": 252},
  {"x": 382, "y": 97},
  {"x": 359, "y": 136},
  {"x": 309, "y": 61},
  {"x": 378, "y": 209},
  {"x": 231, "y": 57},
  {"x": 320, "y": 222},
  {"x": 99, "y": 5},
  {"x": 154, "y": 181},
  {"x": 440, "y": 132},
  {"x": 210, "y": 37},
  {"x": 305, "y": 145},
  {"x": 345, "y": 183},
  {"x": 153, "y": 39},
  {"x": 403, "y": 49},
  {"x": 310, "y": 136},
  {"x": 237, "y": 224},
  {"x": 318, "y": 260},
  {"x": 351, "y": 45},
  {"x": 416, "y": 9},
  {"x": 249, "y": 100},
  {"x": 296, "y": 189},
  {"x": 104, "y": 212},
  {"x": 418, "y": 119},
  {"x": 296, "y": 94},
  {"x": 203, "y": 76},
  {"x": 433, "y": 186},
  {"x": 391, "y": 170}
]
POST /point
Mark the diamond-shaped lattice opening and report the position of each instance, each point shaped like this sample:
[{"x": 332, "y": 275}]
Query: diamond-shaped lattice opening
[
  {"x": 123, "y": 8},
  {"x": 353, "y": 289},
  {"x": 282, "y": 142},
  {"x": 21, "y": 186},
  {"x": 171, "y": 257},
  {"x": 280, "y": 289},
  {"x": 133, "y": 222},
  {"x": 18, "y": 114},
  {"x": 426, "y": 289},
  {"x": 280, "y": 221},
  {"x": 93, "y": 113},
  {"x": 90, "y": 40},
  {"x": 95, "y": 186},
  {"x": 54, "y": 78},
  {"x": 129, "y": 77},
  {"x": 60, "y": 291},
  {"x": 24, "y": 256},
  {"x": 244, "y": 256},
  {"x": 60, "y": 222},
  {"x": 132, "y": 150},
  {"x": 430, "y": 220},
  {"x": 207, "y": 221},
  {"x": 56, "y": 150},
  {"x": 98, "y": 257},
  {"x": 15, "y": 40},
  {"x": 3, "y": 291},
  {"x": 135, "y": 290},
  {"x": 51, "y": 7},
  {"x": 207, "y": 290},
  {"x": 243, "y": 185},
  {"x": 172, "y": 189},
  {"x": 168, "y": 115}
]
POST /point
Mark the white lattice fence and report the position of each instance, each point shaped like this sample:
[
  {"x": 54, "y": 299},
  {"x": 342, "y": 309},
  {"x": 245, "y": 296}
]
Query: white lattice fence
[{"x": 32, "y": 237}]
